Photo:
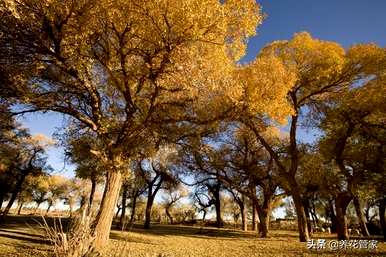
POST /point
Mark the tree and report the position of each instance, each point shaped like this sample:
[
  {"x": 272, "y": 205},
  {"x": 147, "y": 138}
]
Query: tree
[
  {"x": 57, "y": 190},
  {"x": 121, "y": 68},
  {"x": 171, "y": 197},
  {"x": 355, "y": 138},
  {"x": 316, "y": 70},
  {"x": 28, "y": 159},
  {"x": 156, "y": 173}
]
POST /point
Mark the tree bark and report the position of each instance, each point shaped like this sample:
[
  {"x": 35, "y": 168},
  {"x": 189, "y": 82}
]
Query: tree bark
[
  {"x": 264, "y": 220},
  {"x": 105, "y": 214},
  {"x": 382, "y": 217},
  {"x": 123, "y": 213},
  {"x": 149, "y": 205},
  {"x": 244, "y": 222},
  {"x": 216, "y": 194},
  {"x": 361, "y": 217},
  {"x": 308, "y": 216},
  {"x": 301, "y": 216},
  {"x": 341, "y": 203}
]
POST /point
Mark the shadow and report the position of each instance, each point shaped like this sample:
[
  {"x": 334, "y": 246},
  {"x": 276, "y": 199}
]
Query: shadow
[
  {"x": 20, "y": 233},
  {"x": 188, "y": 231},
  {"x": 24, "y": 238}
]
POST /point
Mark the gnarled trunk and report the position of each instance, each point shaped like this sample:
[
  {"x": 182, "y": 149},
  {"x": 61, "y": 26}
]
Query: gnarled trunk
[
  {"x": 105, "y": 214},
  {"x": 361, "y": 216},
  {"x": 300, "y": 212},
  {"x": 149, "y": 206},
  {"x": 341, "y": 203},
  {"x": 169, "y": 215}
]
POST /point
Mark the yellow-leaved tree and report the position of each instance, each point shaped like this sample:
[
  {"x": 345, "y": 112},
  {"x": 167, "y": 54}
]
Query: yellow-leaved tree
[
  {"x": 309, "y": 72},
  {"x": 122, "y": 69}
]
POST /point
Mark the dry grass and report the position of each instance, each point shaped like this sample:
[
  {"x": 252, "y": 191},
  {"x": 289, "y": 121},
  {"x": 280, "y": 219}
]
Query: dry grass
[{"x": 17, "y": 239}]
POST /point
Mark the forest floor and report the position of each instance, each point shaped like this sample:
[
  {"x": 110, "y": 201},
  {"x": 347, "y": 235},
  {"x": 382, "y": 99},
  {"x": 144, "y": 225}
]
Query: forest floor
[{"x": 22, "y": 237}]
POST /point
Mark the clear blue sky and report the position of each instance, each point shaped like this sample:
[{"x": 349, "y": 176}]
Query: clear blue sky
[{"x": 344, "y": 21}]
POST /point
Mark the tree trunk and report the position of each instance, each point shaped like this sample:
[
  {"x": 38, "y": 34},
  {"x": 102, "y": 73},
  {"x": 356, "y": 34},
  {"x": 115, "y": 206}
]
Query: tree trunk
[
  {"x": 92, "y": 193},
  {"x": 149, "y": 205},
  {"x": 264, "y": 221},
  {"x": 219, "y": 221},
  {"x": 255, "y": 216},
  {"x": 105, "y": 214},
  {"x": 15, "y": 192},
  {"x": 20, "y": 208},
  {"x": 308, "y": 216},
  {"x": 361, "y": 216},
  {"x": 244, "y": 222},
  {"x": 331, "y": 214},
  {"x": 204, "y": 215},
  {"x": 133, "y": 206},
  {"x": 341, "y": 203},
  {"x": 49, "y": 207},
  {"x": 313, "y": 214},
  {"x": 1, "y": 201},
  {"x": 382, "y": 217},
  {"x": 301, "y": 215},
  {"x": 168, "y": 214},
  {"x": 118, "y": 211},
  {"x": 123, "y": 214}
]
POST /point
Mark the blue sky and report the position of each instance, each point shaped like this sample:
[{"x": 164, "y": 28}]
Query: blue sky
[{"x": 344, "y": 21}]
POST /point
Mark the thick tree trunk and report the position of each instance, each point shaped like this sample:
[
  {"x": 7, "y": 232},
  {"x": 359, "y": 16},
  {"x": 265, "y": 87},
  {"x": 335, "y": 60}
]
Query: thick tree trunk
[
  {"x": 219, "y": 221},
  {"x": 92, "y": 193},
  {"x": 255, "y": 216},
  {"x": 301, "y": 216},
  {"x": 244, "y": 222},
  {"x": 149, "y": 206},
  {"x": 105, "y": 214},
  {"x": 382, "y": 217},
  {"x": 361, "y": 216},
  {"x": 308, "y": 216},
  {"x": 123, "y": 214},
  {"x": 264, "y": 221},
  {"x": 341, "y": 203}
]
